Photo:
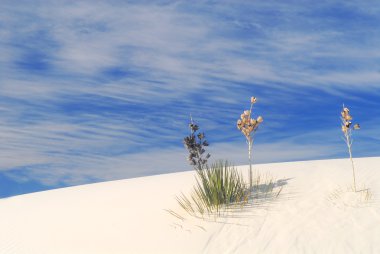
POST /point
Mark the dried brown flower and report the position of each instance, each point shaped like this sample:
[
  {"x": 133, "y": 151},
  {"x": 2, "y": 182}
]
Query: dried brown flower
[
  {"x": 238, "y": 124},
  {"x": 346, "y": 120},
  {"x": 347, "y": 117}
]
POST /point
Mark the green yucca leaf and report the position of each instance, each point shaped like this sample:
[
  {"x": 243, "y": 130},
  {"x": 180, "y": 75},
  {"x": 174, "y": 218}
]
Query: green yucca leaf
[{"x": 217, "y": 186}]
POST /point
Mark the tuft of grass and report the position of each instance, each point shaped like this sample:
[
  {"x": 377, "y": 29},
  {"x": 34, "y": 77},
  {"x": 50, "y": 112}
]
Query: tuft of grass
[
  {"x": 221, "y": 187},
  {"x": 217, "y": 187},
  {"x": 350, "y": 196}
]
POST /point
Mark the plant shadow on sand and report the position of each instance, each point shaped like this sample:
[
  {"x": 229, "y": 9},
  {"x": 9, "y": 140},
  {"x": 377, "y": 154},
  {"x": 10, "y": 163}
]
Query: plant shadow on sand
[{"x": 262, "y": 199}]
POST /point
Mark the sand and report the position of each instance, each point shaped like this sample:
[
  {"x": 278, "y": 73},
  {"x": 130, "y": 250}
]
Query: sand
[{"x": 314, "y": 213}]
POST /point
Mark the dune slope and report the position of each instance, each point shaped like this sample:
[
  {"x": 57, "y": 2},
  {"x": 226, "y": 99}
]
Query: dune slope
[{"x": 313, "y": 214}]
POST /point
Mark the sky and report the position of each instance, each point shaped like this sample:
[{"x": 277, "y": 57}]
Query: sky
[{"x": 95, "y": 91}]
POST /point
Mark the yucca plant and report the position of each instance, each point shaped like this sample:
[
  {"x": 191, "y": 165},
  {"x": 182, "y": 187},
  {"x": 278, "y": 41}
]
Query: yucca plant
[
  {"x": 248, "y": 126},
  {"x": 347, "y": 128},
  {"x": 217, "y": 187},
  {"x": 220, "y": 186}
]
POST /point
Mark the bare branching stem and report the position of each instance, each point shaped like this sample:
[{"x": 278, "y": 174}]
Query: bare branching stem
[{"x": 347, "y": 128}]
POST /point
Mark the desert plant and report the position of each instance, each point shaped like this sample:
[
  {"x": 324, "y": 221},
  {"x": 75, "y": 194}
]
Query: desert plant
[
  {"x": 195, "y": 144},
  {"x": 217, "y": 187},
  {"x": 248, "y": 126},
  {"x": 220, "y": 186},
  {"x": 347, "y": 128}
]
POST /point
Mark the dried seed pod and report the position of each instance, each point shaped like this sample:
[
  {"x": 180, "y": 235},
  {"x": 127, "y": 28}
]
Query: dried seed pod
[
  {"x": 238, "y": 124},
  {"x": 253, "y": 99},
  {"x": 242, "y": 116},
  {"x": 344, "y": 129},
  {"x": 260, "y": 119},
  {"x": 253, "y": 122},
  {"x": 246, "y": 112},
  {"x": 193, "y": 127},
  {"x": 356, "y": 126},
  {"x": 347, "y": 117}
]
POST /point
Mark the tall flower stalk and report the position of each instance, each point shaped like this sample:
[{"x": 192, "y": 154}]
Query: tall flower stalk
[
  {"x": 347, "y": 128},
  {"x": 195, "y": 144},
  {"x": 248, "y": 126}
]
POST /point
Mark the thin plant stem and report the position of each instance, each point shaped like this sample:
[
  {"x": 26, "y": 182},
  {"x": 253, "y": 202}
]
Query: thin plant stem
[
  {"x": 250, "y": 143},
  {"x": 250, "y": 111},
  {"x": 250, "y": 163},
  {"x": 348, "y": 141},
  {"x": 252, "y": 138}
]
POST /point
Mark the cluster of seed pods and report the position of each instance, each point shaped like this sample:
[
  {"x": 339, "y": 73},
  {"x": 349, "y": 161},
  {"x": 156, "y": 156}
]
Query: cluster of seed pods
[
  {"x": 346, "y": 121},
  {"x": 246, "y": 124}
]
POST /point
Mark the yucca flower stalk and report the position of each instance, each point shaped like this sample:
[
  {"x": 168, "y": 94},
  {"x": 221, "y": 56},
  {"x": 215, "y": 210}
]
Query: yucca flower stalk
[
  {"x": 347, "y": 128},
  {"x": 195, "y": 144},
  {"x": 248, "y": 126}
]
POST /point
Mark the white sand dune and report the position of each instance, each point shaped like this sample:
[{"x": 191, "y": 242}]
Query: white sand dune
[{"x": 313, "y": 214}]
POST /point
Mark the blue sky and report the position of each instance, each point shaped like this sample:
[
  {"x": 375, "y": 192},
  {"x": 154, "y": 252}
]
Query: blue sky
[{"x": 100, "y": 90}]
